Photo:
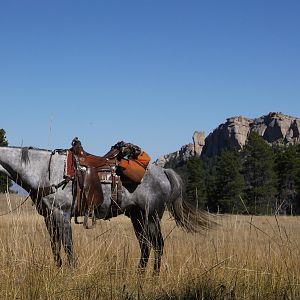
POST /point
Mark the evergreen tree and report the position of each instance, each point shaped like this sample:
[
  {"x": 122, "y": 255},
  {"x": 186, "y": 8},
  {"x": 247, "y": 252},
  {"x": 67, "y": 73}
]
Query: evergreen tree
[
  {"x": 259, "y": 174},
  {"x": 3, "y": 178},
  {"x": 209, "y": 164},
  {"x": 297, "y": 180},
  {"x": 229, "y": 182},
  {"x": 3, "y": 141},
  {"x": 288, "y": 171},
  {"x": 195, "y": 187}
]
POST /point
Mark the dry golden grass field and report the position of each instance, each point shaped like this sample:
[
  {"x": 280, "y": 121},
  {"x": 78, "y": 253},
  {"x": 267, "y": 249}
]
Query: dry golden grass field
[{"x": 246, "y": 257}]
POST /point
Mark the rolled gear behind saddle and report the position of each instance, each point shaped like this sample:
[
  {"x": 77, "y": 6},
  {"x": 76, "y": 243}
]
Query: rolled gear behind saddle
[{"x": 133, "y": 161}]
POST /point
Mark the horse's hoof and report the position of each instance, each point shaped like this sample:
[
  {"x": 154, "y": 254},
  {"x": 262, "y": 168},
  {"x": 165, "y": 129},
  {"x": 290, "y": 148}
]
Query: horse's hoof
[
  {"x": 58, "y": 263},
  {"x": 140, "y": 271},
  {"x": 72, "y": 264}
]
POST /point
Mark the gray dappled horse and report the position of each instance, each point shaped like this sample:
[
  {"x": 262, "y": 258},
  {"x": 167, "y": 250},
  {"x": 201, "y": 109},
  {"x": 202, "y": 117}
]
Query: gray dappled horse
[{"x": 34, "y": 169}]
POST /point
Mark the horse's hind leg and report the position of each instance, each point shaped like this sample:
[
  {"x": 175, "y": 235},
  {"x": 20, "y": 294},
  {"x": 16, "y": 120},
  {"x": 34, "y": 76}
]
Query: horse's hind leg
[
  {"x": 157, "y": 241},
  {"x": 139, "y": 224},
  {"x": 55, "y": 239}
]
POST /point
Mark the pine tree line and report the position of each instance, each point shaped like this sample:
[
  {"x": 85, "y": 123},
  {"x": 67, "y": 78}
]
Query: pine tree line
[{"x": 260, "y": 179}]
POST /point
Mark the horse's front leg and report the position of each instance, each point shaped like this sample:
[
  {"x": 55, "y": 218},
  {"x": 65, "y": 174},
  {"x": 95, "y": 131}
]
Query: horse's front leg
[
  {"x": 55, "y": 239},
  {"x": 67, "y": 239},
  {"x": 59, "y": 228}
]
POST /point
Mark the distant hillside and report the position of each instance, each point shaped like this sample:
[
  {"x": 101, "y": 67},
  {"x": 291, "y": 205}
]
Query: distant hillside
[{"x": 275, "y": 128}]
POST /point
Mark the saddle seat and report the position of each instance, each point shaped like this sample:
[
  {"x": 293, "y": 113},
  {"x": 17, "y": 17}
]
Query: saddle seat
[{"x": 94, "y": 161}]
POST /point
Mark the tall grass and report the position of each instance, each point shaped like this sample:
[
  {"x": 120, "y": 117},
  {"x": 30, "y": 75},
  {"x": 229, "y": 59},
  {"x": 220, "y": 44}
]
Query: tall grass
[{"x": 247, "y": 257}]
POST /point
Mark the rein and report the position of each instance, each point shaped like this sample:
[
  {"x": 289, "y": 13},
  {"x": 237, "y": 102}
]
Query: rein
[
  {"x": 7, "y": 213},
  {"x": 51, "y": 189},
  {"x": 47, "y": 190}
]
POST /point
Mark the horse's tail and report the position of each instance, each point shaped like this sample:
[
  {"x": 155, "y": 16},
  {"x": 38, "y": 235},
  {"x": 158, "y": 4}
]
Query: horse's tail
[{"x": 185, "y": 214}]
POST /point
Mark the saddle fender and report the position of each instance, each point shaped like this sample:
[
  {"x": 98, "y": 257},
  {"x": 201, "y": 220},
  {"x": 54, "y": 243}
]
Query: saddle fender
[{"x": 92, "y": 188}]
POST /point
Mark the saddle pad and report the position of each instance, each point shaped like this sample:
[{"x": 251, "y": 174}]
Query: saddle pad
[{"x": 69, "y": 168}]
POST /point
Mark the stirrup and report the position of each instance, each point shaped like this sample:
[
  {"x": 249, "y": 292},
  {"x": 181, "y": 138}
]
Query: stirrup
[{"x": 89, "y": 214}]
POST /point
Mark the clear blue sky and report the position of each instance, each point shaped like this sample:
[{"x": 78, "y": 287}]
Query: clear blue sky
[{"x": 150, "y": 72}]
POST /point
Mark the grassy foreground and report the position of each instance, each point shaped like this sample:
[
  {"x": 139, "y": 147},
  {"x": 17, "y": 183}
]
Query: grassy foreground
[{"x": 247, "y": 257}]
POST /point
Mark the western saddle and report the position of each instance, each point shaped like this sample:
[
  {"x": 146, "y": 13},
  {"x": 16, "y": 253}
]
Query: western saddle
[{"x": 89, "y": 172}]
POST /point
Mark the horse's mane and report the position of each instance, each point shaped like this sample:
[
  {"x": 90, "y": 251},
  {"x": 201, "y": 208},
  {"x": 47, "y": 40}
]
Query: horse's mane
[
  {"x": 24, "y": 155},
  {"x": 29, "y": 147},
  {"x": 25, "y": 152}
]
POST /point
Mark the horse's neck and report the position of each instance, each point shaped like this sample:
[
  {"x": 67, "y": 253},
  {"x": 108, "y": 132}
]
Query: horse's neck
[
  {"x": 5, "y": 172},
  {"x": 29, "y": 171}
]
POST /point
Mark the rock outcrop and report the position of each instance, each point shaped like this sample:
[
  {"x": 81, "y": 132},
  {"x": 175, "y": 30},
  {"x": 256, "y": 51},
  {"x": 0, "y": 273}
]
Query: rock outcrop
[
  {"x": 275, "y": 128},
  {"x": 176, "y": 158},
  {"x": 185, "y": 153},
  {"x": 198, "y": 142},
  {"x": 232, "y": 134}
]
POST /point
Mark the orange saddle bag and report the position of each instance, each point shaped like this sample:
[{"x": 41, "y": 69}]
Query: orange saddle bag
[{"x": 135, "y": 169}]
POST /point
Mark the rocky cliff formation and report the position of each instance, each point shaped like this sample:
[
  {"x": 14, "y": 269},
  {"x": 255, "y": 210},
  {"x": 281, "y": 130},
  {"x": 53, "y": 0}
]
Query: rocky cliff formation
[
  {"x": 185, "y": 152},
  {"x": 275, "y": 128}
]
